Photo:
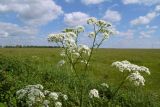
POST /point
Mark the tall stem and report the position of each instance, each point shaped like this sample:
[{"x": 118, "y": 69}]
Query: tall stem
[
  {"x": 86, "y": 66},
  {"x": 121, "y": 84}
]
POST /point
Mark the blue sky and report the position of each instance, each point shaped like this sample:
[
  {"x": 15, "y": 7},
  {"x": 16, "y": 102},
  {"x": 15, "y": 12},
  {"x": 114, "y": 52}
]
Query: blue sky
[{"x": 28, "y": 22}]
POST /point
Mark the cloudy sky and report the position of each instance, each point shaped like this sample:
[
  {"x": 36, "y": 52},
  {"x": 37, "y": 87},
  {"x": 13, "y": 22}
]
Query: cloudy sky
[{"x": 28, "y": 22}]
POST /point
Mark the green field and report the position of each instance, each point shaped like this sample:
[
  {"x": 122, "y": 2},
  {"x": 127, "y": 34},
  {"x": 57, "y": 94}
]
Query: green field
[{"x": 24, "y": 66}]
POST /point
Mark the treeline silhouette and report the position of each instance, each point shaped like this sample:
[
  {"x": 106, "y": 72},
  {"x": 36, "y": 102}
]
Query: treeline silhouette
[{"x": 21, "y": 46}]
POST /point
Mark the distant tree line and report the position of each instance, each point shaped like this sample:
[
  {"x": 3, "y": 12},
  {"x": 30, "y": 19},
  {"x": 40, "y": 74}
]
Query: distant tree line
[{"x": 29, "y": 46}]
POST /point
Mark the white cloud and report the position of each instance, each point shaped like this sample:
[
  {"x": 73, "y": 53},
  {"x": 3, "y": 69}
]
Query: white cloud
[
  {"x": 151, "y": 27},
  {"x": 69, "y": 1},
  {"x": 32, "y": 12},
  {"x": 144, "y": 19},
  {"x": 130, "y": 1},
  {"x": 75, "y": 18},
  {"x": 146, "y": 34},
  {"x": 112, "y": 15},
  {"x": 145, "y": 2},
  {"x": 3, "y": 34},
  {"x": 88, "y": 2},
  {"x": 157, "y": 9},
  {"x": 9, "y": 29},
  {"x": 129, "y": 34}
]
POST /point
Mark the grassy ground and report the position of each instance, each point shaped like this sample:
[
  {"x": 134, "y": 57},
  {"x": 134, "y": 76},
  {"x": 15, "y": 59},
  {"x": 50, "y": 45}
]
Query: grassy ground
[{"x": 38, "y": 65}]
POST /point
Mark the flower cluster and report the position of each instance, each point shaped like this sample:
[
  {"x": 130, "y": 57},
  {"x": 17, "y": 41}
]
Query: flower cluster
[
  {"x": 56, "y": 37},
  {"x": 94, "y": 93},
  {"x": 68, "y": 39},
  {"x": 136, "y": 78},
  {"x": 126, "y": 65},
  {"x": 104, "y": 28},
  {"x": 61, "y": 62},
  {"x": 134, "y": 71},
  {"x": 105, "y": 85},
  {"x": 34, "y": 94}
]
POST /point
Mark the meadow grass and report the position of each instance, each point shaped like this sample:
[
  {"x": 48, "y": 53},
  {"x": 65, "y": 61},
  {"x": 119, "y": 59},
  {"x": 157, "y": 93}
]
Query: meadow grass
[{"x": 24, "y": 66}]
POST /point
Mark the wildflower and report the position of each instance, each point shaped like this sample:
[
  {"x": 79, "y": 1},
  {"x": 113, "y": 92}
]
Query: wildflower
[
  {"x": 65, "y": 97},
  {"x": 46, "y": 92},
  {"x": 58, "y": 104},
  {"x": 80, "y": 29},
  {"x": 106, "y": 35},
  {"x": 101, "y": 23},
  {"x": 84, "y": 49},
  {"x": 70, "y": 35},
  {"x": 70, "y": 42},
  {"x": 94, "y": 93},
  {"x": 105, "y": 85},
  {"x": 21, "y": 93},
  {"x": 56, "y": 37},
  {"x": 76, "y": 54},
  {"x": 38, "y": 86},
  {"x": 53, "y": 95},
  {"x": 145, "y": 69},
  {"x": 92, "y": 35},
  {"x": 136, "y": 78},
  {"x": 63, "y": 54},
  {"x": 84, "y": 61},
  {"x": 46, "y": 103},
  {"x": 126, "y": 65},
  {"x": 92, "y": 20},
  {"x": 33, "y": 92},
  {"x": 61, "y": 62}
]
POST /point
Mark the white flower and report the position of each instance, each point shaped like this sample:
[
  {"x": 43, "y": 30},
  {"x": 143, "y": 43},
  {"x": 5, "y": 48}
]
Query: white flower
[
  {"x": 70, "y": 43},
  {"x": 65, "y": 97},
  {"x": 94, "y": 93},
  {"x": 101, "y": 23},
  {"x": 106, "y": 35},
  {"x": 56, "y": 37},
  {"x": 46, "y": 92},
  {"x": 76, "y": 54},
  {"x": 127, "y": 66},
  {"x": 39, "y": 86},
  {"x": 21, "y": 93},
  {"x": 63, "y": 54},
  {"x": 92, "y": 35},
  {"x": 80, "y": 29},
  {"x": 53, "y": 95},
  {"x": 84, "y": 61},
  {"x": 84, "y": 49},
  {"x": 61, "y": 62},
  {"x": 58, "y": 104},
  {"x": 92, "y": 20},
  {"x": 31, "y": 93},
  {"x": 105, "y": 85},
  {"x": 70, "y": 35},
  {"x": 145, "y": 69},
  {"x": 46, "y": 103},
  {"x": 35, "y": 95},
  {"x": 136, "y": 78}
]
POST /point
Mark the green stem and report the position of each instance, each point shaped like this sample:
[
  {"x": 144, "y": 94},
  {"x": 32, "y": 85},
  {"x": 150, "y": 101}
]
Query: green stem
[
  {"x": 121, "y": 84},
  {"x": 86, "y": 66}
]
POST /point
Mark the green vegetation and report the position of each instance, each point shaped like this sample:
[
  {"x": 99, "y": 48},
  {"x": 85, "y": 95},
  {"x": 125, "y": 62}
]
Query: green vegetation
[{"x": 23, "y": 66}]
